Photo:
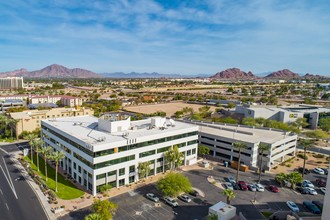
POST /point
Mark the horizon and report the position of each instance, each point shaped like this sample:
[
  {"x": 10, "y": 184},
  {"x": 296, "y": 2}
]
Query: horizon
[{"x": 171, "y": 37}]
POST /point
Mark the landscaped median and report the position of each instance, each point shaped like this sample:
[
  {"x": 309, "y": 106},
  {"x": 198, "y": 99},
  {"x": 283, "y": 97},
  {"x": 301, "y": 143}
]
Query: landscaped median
[{"x": 66, "y": 189}]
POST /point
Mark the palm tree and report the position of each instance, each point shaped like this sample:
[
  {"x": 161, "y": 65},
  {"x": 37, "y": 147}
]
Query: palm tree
[
  {"x": 230, "y": 195},
  {"x": 31, "y": 137},
  {"x": 306, "y": 143},
  {"x": 12, "y": 123},
  {"x": 240, "y": 146},
  {"x": 280, "y": 178},
  {"x": 174, "y": 157},
  {"x": 262, "y": 148},
  {"x": 57, "y": 156},
  {"x": 294, "y": 178},
  {"x": 144, "y": 169},
  {"x": 46, "y": 151},
  {"x": 212, "y": 217},
  {"x": 37, "y": 144},
  {"x": 93, "y": 216}
]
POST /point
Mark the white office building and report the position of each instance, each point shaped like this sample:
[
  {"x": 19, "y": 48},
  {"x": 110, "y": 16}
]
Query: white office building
[
  {"x": 108, "y": 150},
  {"x": 11, "y": 83}
]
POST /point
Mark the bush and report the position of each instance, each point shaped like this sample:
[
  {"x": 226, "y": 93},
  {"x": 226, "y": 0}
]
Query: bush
[
  {"x": 288, "y": 165},
  {"x": 319, "y": 162},
  {"x": 302, "y": 156},
  {"x": 319, "y": 156},
  {"x": 275, "y": 167}
]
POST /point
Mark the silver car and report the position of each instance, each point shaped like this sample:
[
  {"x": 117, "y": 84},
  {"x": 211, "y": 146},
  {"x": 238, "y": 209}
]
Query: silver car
[
  {"x": 184, "y": 198},
  {"x": 228, "y": 185},
  {"x": 152, "y": 197},
  {"x": 171, "y": 201},
  {"x": 293, "y": 206},
  {"x": 260, "y": 188}
]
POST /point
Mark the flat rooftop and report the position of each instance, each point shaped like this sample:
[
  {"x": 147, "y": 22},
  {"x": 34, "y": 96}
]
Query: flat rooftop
[
  {"x": 244, "y": 133},
  {"x": 86, "y": 129}
]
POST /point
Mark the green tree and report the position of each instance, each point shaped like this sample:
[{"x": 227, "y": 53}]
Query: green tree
[
  {"x": 280, "y": 178},
  {"x": 301, "y": 122},
  {"x": 231, "y": 105},
  {"x": 294, "y": 178},
  {"x": 317, "y": 134},
  {"x": 172, "y": 184},
  {"x": 203, "y": 150},
  {"x": 229, "y": 194},
  {"x": 37, "y": 145},
  {"x": 212, "y": 216},
  {"x": 104, "y": 208},
  {"x": 45, "y": 151},
  {"x": 249, "y": 121},
  {"x": 262, "y": 148},
  {"x": 93, "y": 216},
  {"x": 240, "y": 146},
  {"x": 144, "y": 169},
  {"x": 57, "y": 156},
  {"x": 31, "y": 137},
  {"x": 174, "y": 157},
  {"x": 306, "y": 143},
  {"x": 324, "y": 124}
]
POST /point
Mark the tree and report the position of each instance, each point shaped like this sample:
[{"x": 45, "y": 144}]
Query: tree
[
  {"x": 294, "y": 178},
  {"x": 57, "y": 156},
  {"x": 203, "y": 150},
  {"x": 174, "y": 157},
  {"x": 280, "y": 178},
  {"x": 104, "y": 208},
  {"x": 212, "y": 216},
  {"x": 306, "y": 143},
  {"x": 262, "y": 148},
  {"x": 31, "y": 137},
  {"x": 231, "y": 105},
  {"x": 324, "y": 124},
  {"x": 144, "y": 169},
  {"x": 240, "y": 146},
  {"x": 230, "y": 195},
  {"x": 249, "y": 121},
  {"x": 37, "y": 145},
  {"x": 301, "y": 122},
  {"x": 316, "y": 134},
  {"x": 172, "y": 184},
  {"x": 46, "y": 152},
  {"x": 93, "y": 216}
]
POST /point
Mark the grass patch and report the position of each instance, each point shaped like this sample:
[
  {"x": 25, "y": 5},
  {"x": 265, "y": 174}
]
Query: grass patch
[
  {"x": 266, "y": 214},
  {"x": 66, "y": 190}
]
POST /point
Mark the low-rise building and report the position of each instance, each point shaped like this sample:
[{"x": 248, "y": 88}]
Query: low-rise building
[
  {"x": 11, "y": 83},
  {"x": 10, "y": 103},
  {"x": 222, "y": 211},
  {"x": 30, "y": 120},
  {"x": 219, "y": 138},
  {"x": 63, "y": 99},
  {"x": 108, "y": 150}
]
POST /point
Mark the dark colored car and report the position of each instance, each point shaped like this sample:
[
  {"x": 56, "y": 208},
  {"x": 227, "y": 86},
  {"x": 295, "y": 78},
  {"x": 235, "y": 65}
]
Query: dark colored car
[
  {"x": 242, "y": 185},
  {"x": 235, "y": 186},
  {"x": 300, "y": 170},
  {"x": 302, "y": 190},
  {"x": 274, "y": 189},
  {"x": 325, "y": 171},
  {"x": 318, "y": 204},
  {"x": 194, "y": 193},
  {"x": 312, "y": 207},
  {"x": 321, "y": 182}
]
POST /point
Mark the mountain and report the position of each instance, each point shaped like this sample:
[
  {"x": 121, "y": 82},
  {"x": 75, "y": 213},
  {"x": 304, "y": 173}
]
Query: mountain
[
  {"x": 14, "y": 73},
  {"x": 135, "y": 75},
  {"x": 313, "y": 77},
  {"x": 283, "y": 74},
  {"x": 233, "y": 73}
]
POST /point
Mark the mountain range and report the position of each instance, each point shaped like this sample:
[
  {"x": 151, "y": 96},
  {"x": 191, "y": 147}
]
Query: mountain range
[{"x": 58, "y": 71}]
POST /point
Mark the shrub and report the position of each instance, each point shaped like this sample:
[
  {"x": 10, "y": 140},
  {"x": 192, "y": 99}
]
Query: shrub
[
  {"x": 319, "y": 162},
  {"x": 319, "y": 156},
  {"x": 275, "y": 167},
  {"x": 288, "y": 165},
  {"x": 302, "y": 156}
]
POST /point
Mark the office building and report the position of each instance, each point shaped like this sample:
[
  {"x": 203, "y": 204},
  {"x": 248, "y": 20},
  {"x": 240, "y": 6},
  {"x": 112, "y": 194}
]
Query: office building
[
  {"x": 108, "y": 150},
  {"x": 11, "y": 83},
  {"x": 55, "y": 99}
]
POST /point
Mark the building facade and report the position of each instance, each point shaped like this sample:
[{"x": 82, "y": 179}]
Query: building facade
[
  {"x": 219, "y": 138},
  {"x": 63, "y": 99},
  {"x": 11, "y": 83},
  {"x": 30, "y": 120},
  {"x": 108, "y": 150}
]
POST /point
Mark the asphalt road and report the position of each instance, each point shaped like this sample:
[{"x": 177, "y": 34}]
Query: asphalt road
[
  {"x": 316, "y": 150},
  {"x": 17, "y": 199}
]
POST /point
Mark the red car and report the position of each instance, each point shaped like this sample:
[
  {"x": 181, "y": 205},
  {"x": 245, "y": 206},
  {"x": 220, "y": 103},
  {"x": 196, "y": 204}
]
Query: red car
[
  {"x": 321, "y": 182},
  {"x": 242, "y": 185},
  {"x": 274, "y": 189}
]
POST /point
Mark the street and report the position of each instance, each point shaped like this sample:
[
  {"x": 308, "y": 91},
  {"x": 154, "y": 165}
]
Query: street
[{"x": 17, "y": 199}]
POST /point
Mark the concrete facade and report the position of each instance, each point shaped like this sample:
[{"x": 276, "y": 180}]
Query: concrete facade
[{"x": 11, "y": 83}]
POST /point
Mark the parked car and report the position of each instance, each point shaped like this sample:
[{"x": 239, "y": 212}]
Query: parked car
[
  {"x": 302, "y": 190},
  {"x": 194, "y": 193},
  {"x": 152, "y": 197},
  {"x": 274, "y": 189},
  {"x": 318, "y": 170},
  {"x": 260, "y": 188},
  {"x": 235, "y": 186},
  {"x": 171, "y": 201},
  {"x": 242, "y": 185},
  {"x": 252, "y": 187},
  {"x": 323, "y": 189},
  {"x": 300, "y": 170},
  {"x": 312, "y": 207},
  {"x": 321, "y": 182},
  {"x": 228, "y": 185},
  {"x": 293, "y": 206},
  {"x": 184, "y": 198},
  {"x": 311, "y": 191},
  {"x": 307, "y": 183},
  {"x": 325, "y": 170},
  {"x": 318, "y": 204}
]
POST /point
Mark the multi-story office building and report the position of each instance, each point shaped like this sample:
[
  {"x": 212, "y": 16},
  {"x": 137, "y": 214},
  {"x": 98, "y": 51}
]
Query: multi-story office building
[
  {"x": 63, "y": 99},
  {"x": 108, "y": 150},
  {"x": 11, "y": 83},
  {"x": 30, "y": 120},
  {"x": 219, "y": 138}
]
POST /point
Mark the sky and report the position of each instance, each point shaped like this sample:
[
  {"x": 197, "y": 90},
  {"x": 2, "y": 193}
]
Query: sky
[{"x": 166, "y": 36}]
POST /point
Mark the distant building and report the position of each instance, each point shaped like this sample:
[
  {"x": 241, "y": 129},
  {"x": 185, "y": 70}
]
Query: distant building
[
  {"x": 65, "y": 100},
  {"x": 30, "y": 120},
  {"x": 108, "y": 150},
  {"x": 10, "y": 103},
  {"x": 11, "y": 83}
]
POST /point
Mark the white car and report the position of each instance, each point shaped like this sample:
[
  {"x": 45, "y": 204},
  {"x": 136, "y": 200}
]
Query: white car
[
  {"x": 260, "y": 188},
  {"x": 152, "y": 197},
  {"x": 252, "y": 187},
  {"x": 323, "y": 189},
  {"x": 311, "y": 191},
  {"x": 228, "y": 185},
  {"x": 293, "y": 206},
  {"x": 318, "y": 171},
  {"x": 307, "y": 183},
  {"x": 185, "y": 198},
  {"x": 171, "y": 201}
]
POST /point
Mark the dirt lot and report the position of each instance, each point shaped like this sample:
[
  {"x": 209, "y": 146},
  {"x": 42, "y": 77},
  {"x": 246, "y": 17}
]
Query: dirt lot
[{"x": 169, "y": 108}]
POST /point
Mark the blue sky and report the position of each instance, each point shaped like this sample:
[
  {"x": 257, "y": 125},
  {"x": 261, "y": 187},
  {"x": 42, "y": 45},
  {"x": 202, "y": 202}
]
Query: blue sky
[{"x": 184, "y": 37}]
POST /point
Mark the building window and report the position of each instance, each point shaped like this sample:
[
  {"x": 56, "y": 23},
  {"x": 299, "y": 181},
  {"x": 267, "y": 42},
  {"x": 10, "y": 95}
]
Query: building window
[
  {"x": 79, "y": 169},
  {"x": 131, "y": 179},
  {"x": 132, "y": 169},
  {"x": 188, "y": 152},
  {"x": 148, "y": 153},
  {"x": 74, "y": 165},
  {"x": 100, "y": 176},
  {"x": 161, "y": 150},
  {"x": 194, "y": 151},
  {"x": 121, "y": 171},
  {"x": 112, "y": 173},
  {"x": 121, "y": 182}
]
